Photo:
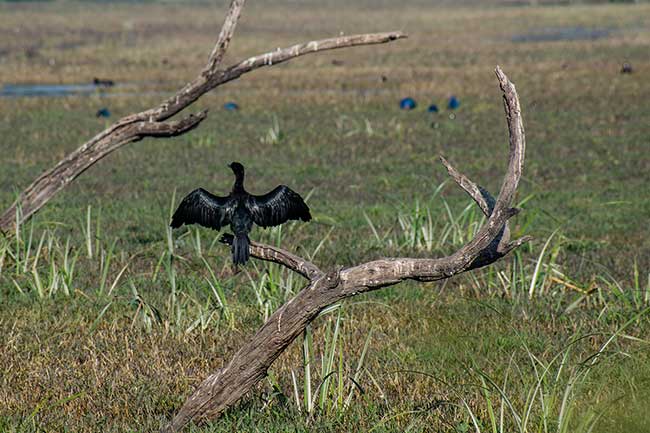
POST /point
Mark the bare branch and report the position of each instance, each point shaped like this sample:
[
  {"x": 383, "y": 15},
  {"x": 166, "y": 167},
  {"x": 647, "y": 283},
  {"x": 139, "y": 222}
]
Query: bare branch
[
  {"x": 170, "y": 129},
  {"x": 486, "y": 202},
  {"x": 480, "y": 195},
  {"x": 227, "y": 30},
  {"x": 278, "y": 255},
  {"x": 249, "y": 365},
  {"x": 517, "y": 138},
  {"x": 284, "y": 54},
  {"x": 49, "y": 183}
]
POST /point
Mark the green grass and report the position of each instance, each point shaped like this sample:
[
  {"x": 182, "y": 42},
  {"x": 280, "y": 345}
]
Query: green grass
[{"x": 109, "y": 320}]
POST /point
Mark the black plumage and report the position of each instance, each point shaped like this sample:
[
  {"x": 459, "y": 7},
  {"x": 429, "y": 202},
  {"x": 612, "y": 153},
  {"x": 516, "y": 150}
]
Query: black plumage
[{"x": 240, "y": 210}]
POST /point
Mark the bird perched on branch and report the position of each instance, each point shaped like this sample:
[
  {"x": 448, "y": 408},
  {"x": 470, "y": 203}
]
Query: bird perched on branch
[{"x": 241, "y": 210}]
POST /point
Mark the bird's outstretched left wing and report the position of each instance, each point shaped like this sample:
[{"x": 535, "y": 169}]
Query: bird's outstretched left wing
[
  {"x": 277, "y": 207},
  {"x": 204, "y": 208}
]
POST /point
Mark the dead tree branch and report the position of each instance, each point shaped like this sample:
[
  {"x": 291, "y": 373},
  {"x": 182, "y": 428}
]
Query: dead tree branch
[
  {"x": 149, "y": 123},
  {"x": 277, "y": 255},
  {"x": 250, "y": 364}
]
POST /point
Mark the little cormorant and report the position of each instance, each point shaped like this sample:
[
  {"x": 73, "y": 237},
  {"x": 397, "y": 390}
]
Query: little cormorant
[{"x": 240, "y": 209}]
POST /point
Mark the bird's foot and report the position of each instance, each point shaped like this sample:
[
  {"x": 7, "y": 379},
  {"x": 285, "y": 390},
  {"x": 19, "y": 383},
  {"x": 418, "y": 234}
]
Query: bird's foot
[{"x": 226, "y": 238}]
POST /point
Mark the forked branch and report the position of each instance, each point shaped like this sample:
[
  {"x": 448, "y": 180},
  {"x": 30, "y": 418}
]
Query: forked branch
[
  {"x": 150, "y": 123},
  {"x": 250, "y": 364}
]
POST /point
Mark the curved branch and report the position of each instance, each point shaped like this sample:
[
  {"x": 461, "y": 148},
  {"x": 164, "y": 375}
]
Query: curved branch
[
  {"x": 249, "y": 365},
  {"x": 480, "y": 195},
  {"x": 277, "y": 255},
  {"x": 49, "y": 183},
  {"x": 480, "y": 251}
]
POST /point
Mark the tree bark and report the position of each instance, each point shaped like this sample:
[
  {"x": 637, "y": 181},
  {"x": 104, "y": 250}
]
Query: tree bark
[{"x": 250, "y": 364}]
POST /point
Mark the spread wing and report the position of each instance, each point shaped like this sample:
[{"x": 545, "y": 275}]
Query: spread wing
[
  {"x": 201, "y": 207},
  {"x": 277, "y": 207}
]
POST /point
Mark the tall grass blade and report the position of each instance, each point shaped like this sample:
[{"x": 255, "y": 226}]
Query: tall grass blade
[{"x": 538, "y": 265}]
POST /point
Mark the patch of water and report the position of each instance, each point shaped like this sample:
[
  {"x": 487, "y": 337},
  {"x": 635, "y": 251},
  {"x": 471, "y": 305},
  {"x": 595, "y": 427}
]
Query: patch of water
[
  {"x": 58, "y": 90},
  {"x": 146, "y": 89},
  {"x": 21, "y": 90},
  {"x": 555, "y": 34}
]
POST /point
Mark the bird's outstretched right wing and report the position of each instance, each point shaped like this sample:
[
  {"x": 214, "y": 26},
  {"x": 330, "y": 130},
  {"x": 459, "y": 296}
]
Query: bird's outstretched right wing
[
  {"x": 277, "y": 207},
  {"x": 201, "y": 207}
]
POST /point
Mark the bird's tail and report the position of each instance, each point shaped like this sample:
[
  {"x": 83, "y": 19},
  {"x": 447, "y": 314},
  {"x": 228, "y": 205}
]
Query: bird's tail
[{"x": 240, "y": 249}]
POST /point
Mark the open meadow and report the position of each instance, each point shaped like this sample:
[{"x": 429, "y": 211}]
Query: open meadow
[{"x": 109, "y": 320}]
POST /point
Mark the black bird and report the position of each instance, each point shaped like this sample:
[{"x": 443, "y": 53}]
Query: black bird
[
  {"x": 102, "y": 82},
  {"x": 240, "y": 209},
  {"x": 626, "y": 68}
]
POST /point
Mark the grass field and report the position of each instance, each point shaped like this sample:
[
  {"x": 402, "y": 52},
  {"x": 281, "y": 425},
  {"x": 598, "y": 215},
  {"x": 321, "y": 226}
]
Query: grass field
[{"x": 108, "y": 321}]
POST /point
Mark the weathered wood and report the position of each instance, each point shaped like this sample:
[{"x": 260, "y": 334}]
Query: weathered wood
[
  {"x": 150, "y": 123},
  {"x": 277, "y": 255},
  {"x": 250, "y": 364}
]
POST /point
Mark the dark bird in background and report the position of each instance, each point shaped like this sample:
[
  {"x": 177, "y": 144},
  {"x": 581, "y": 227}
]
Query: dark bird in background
[
  {"x": 241, "y": 210},
  {"x": 626, "y": 68},
  {"x": 102, "y": 82},
  {"x": 103, "y": 112}
]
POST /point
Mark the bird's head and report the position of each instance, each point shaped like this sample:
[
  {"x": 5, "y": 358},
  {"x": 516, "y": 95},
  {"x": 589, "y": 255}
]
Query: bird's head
[{"x": 236, "y": 168}]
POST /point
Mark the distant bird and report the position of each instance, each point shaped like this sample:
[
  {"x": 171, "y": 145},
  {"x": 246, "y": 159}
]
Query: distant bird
[
  {"x": 453, "y": 103},
  {"x": 433, "y": 108},
  {"x": 626, "y": 68},
  {"x": 231, "y": 106},
  {"x": 100, "y": 82},
  {"x": 407, "y": 104},
  {"x": 103, "y": 112},
  {"x": 240, "y": 209}
]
